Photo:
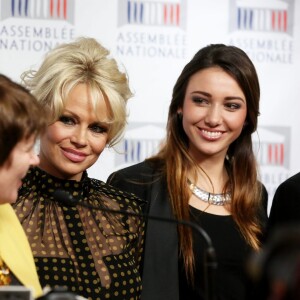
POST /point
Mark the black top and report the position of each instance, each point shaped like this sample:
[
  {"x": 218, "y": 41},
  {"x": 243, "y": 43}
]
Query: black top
[
  {"x": 163, "y": 277},
  {"x": 231, "y": 252},
  {"x": 93, "y": 253}
]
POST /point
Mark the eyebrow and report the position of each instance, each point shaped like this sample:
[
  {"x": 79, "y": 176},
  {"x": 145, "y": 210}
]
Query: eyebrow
[
  {"x": 226, "y": 98},
  {"x": 97, "y": 122}
]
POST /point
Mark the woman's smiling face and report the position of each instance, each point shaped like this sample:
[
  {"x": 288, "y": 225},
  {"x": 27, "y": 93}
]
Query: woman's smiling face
[
  {"x": 214, "y": 112},
  {"x": 74, "y": 142}
]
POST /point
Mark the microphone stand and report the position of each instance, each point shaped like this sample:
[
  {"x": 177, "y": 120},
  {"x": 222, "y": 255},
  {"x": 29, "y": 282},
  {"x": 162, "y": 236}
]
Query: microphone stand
[{"x": 210, "y": 261}]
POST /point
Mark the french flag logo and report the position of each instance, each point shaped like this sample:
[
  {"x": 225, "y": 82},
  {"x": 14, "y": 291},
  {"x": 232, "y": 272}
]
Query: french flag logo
[
  {"x": 39, "y": 9},
  {"x": 262, "y": 16},
  {"x": 152, "y": 13}
]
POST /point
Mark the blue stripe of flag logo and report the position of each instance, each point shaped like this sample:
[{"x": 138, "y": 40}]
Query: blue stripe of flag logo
[
  {"x": 38, "y": 9},
  {"x": 152, "y": 13},
  {"x": 262, "y": 16}
]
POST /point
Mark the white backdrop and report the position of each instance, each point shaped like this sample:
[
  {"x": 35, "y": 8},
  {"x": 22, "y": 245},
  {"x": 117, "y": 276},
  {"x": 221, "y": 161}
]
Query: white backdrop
[{"x": 153, "y": 40}]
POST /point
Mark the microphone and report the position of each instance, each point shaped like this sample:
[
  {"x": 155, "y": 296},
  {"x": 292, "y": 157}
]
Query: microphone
[{"x": 210, "y": 261}]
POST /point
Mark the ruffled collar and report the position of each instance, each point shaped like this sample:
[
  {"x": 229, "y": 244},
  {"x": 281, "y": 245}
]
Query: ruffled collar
[{"x": 47, "y": 183}]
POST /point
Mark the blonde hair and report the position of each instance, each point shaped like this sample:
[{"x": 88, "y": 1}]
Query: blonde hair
[{"x": 82, "y": 61}]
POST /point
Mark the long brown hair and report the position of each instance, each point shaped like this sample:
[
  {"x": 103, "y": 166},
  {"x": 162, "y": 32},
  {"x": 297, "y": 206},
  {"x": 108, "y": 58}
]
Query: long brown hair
[{"x": 242, "y": 169}]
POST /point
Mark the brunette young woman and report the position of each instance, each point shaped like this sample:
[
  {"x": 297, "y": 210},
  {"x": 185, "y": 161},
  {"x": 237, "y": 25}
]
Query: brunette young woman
[{"x": 205, "y": 172}]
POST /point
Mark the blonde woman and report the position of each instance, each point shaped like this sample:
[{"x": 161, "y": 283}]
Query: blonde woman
[{"x": 92, "y": 253}]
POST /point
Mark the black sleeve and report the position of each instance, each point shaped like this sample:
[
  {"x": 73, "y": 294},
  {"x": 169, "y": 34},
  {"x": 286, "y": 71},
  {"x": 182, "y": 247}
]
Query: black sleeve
[
  {"x": 265, "y": 201},
  {"x": 119, "y": 180},
  {"x": 136, "y": 179},
  {"x": 263, "y": 213},
  {"x": 286, "y": 204}
]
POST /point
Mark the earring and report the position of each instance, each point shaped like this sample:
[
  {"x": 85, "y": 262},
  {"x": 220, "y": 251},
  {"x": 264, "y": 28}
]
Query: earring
[
  {"x": 179, "y": 116},
  {"x": 229, "y": 158}
]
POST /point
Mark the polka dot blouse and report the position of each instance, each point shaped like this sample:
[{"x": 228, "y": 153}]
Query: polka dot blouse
[{"x": 95, "y": 254}]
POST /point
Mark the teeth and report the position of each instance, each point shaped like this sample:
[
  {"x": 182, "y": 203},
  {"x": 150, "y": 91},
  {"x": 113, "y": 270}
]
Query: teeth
[{"x": 211, "y": 134}]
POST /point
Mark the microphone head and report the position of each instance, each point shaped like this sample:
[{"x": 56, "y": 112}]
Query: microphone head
[{"x": 64, "y": 197}]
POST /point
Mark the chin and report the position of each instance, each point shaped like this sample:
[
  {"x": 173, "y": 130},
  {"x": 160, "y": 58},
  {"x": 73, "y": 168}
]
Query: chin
[{"x": 10, "y": 200}]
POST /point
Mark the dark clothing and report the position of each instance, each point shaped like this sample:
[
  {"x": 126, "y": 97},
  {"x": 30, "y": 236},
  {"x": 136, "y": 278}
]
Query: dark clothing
[
  {"x": 285, "y": 207},
  {"x": 231, "y": 252},
  {"x": 94, "y": 253},
  {"x": 280, "y": 259},
  {"x": 160, "y": 275},
  {"x": 163, "y": 275}
]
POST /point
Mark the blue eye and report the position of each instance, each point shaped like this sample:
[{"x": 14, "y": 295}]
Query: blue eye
[
  {"x": 66, "y": 120},
  {"x": 98, "y": 128}
]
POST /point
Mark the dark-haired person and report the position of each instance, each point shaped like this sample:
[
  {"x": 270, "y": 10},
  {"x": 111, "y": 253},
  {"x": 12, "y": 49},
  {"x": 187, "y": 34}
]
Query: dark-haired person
[
  {"x": 21, "y": 121},
  {"x": 205, "y": 172},
  {"x": 285, "y": 208}
]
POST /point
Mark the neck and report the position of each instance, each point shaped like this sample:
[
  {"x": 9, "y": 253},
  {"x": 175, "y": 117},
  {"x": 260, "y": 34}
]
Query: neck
[{"x": 210, "y": 177}]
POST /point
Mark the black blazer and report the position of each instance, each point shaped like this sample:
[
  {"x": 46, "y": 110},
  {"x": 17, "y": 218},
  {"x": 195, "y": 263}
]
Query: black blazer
[
  {"x": 160, "y": 268},
  {"x": 160, "y": 275}
]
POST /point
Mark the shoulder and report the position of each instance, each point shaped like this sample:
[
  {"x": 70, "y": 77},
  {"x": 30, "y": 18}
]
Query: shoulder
[
  {"x": 98, "y": 186},
  {"x": 288, "y": 192},
  {"x": 286, "y": 202},
  {"x": 141, "y": 172},
  {"x": 137, "y": 179},
  {"x": 291, "y": 183},
  {"x": 144, "y": 167},
  {"x": 116, "y": 194}
]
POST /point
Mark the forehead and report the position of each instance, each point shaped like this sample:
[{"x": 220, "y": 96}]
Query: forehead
[
  {"x": 214, "y": 79},
  {"x": 209, "y": 74},
  {"x": 85, "y": 102}
]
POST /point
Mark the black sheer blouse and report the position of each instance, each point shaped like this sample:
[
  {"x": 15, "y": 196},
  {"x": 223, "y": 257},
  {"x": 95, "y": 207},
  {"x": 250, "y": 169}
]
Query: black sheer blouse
[{"x": 94, "y": 253}]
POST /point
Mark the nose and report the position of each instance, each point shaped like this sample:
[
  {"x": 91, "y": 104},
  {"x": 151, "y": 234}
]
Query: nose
[
  {"x": 79, "y": 137},
  {"x": 214, "y": 116}
]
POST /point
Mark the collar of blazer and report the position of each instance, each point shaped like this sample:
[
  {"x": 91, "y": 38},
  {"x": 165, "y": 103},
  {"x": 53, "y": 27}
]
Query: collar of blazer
[{"x": 15, "y": 249}]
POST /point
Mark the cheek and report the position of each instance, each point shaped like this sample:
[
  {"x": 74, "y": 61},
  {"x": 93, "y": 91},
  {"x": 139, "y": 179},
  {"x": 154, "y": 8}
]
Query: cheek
[
  {"x": 236, "y": 121},
  {"x": 192, "y": 116},
  {"x": 241, "y": 120},
  {"x": 53, "y": 134},
  {"x": 192, "y": 113},
  {"x": 98, "y": 144}
]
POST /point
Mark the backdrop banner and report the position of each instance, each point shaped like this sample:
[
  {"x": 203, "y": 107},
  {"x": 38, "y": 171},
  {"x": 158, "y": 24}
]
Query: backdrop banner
[{"x": 152, "y": 40}]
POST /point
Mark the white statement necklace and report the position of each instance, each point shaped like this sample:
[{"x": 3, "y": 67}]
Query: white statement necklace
[{"x": 215, "y": 199}]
